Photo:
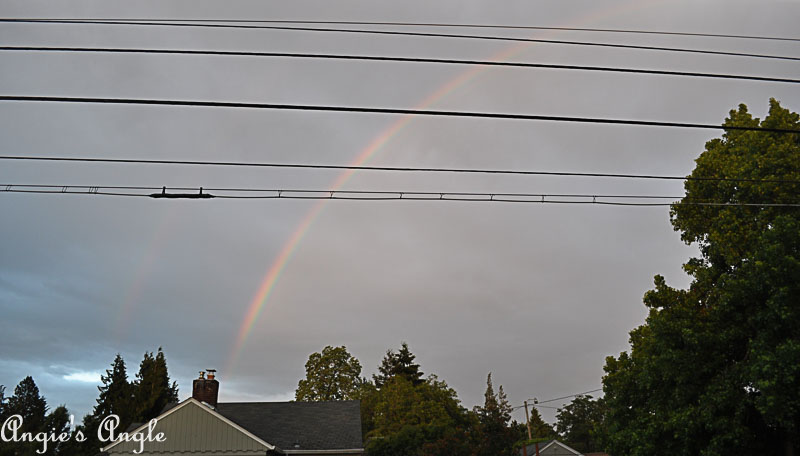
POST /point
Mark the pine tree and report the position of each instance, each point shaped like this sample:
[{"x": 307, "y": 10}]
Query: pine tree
[
  {"x": 398, "y": 364},
  {"x": 32, "y": 407},
  {"x": 116, "y": 394},
  {"x": 497, "y": 437},
  {"x": 56, "y": 423},
  {"x": 152, "y": 388},
  {"x": 28, "y": 403}
]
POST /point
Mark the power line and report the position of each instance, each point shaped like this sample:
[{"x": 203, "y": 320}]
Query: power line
[
  {"x": 396, "y": 59},
  {"x": 569, "y": 396},
  {"x": 368, "y": 195},
  {"x": 386, "y": 168},
  {"x": 427, "y": 24},
  {"x": 416, "y": 34},
  {"x": 537, "y": 402},
  {"x": 360, "y": 109}
]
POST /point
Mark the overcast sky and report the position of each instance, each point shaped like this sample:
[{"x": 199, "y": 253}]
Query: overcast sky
[{"x": 538, "y": 295}]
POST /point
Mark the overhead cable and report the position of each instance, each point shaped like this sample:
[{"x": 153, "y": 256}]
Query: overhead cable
[
  {"x": 386, "y": 168},
  {"x": 569, "y": 396},
  {"x": 415, "y": 34},
  {"x": 395, "y": 59},
  {"x": 361, "y": 109},
  {"x": 372, "y": 195},
  {"x": 426, "y": 24}
]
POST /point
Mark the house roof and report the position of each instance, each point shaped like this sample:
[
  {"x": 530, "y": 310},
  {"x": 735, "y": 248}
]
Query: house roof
[
  {"x": 547, "y": 444},
  {"x": 291, "y": 426}
]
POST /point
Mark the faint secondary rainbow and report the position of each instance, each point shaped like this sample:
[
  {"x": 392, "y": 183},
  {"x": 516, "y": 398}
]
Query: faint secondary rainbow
[{"x": 279, "y": 264}]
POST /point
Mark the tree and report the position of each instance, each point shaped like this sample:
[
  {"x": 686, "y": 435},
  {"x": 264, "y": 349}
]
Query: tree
[
  {"x": 496, "y": 436},
  {"x": 540, "y": 430},
  {"x": 578, "y": 421},
  {"x": 57, "y": 423},
  {"x": 402, "y": 418},
  {"x": 32, "y": 408},
  {"x": 116, "y": 394},
  {"x": 333, "y": 375},
  {"x": 715, "y": 369},
  {"x": 152, "y": 389},
  {"x": 398, "y": 364},
  {"x": 29, "y": 404}
]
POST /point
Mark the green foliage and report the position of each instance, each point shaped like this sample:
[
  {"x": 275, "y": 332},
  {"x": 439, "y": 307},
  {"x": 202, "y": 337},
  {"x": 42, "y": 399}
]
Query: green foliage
[
  {"x": 333, "y": 375},
  {"x": 398, "y": 364},
  {"x": 400, "y": 403},
  {"x": 540, "y": 430},
  {"x": 152, "y": 388},
  {"x": 403, "y": 414},
  {"x": 32, "y": 407},
  {"x": 134, "y": 402},
  {"x": 496, "y": 436},
  {"x": 715, "y": 369},
  {"x": 2, "y": 399},
  {"x": 116, "y": 394},
  {"x": 579, "y": 421}
]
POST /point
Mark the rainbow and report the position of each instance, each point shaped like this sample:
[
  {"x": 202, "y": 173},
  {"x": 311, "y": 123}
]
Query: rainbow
[{"x": 272, "y": 276}]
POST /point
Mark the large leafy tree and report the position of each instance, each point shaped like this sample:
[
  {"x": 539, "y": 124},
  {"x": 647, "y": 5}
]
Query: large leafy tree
[
  {"x": 398, "y": 364},
  {"x": 333, "y": 375},
  {"x": 715, "y": 369},
  {"x": 404, "y": 414},
  {"x": 579, "y": 421},
  {"x": 407, "y": 419}
]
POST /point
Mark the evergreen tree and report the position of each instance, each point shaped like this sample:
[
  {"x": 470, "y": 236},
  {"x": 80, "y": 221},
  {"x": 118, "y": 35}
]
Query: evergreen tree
[
  {"x": 32, "y": 407},
  {"x": 116, "y": 394},
  {"x": 540, "y": 430},
  {"x": 497, "y": 437},
  {"x": 152, "y": 389},
  {"x": 29, "y": 404},
  {"x": 57, "y": 423},
  {"x": 398, "y": 364}
]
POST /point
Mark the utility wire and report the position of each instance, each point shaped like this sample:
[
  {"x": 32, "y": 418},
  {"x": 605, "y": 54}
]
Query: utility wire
[
  {"x": 360, "y": 109},
  {"x": 569, "y": 396},
  {"x": 426, "y": 24},
  {"x": 371, "y": 195},
  {"x": 416, "y": 34},
  {"x": 387, "y": 168},
  {"x": 394, "y": 59}
]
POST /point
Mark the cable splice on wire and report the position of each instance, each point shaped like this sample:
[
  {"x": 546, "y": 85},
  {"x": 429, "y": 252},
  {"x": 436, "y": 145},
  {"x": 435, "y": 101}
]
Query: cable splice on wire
[
  {"x": 361, "y": 109},
  {"x": 416, "y": 34},
  {"x": 375, "y": 58},
  {"x": 389, "y": 169}
]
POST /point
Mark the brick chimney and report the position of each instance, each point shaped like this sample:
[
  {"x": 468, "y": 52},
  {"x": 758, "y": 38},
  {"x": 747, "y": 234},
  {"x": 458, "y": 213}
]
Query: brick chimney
[{"x": 206, "y": 388}]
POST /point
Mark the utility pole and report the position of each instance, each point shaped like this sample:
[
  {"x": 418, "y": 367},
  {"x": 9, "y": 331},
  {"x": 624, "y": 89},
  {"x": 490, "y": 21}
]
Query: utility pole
[{"x": 527, "y": 421}]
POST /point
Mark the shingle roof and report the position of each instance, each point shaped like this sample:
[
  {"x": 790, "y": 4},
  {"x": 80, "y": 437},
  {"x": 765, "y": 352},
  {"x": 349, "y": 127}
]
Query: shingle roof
[{"x": 331, "y": 425}]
